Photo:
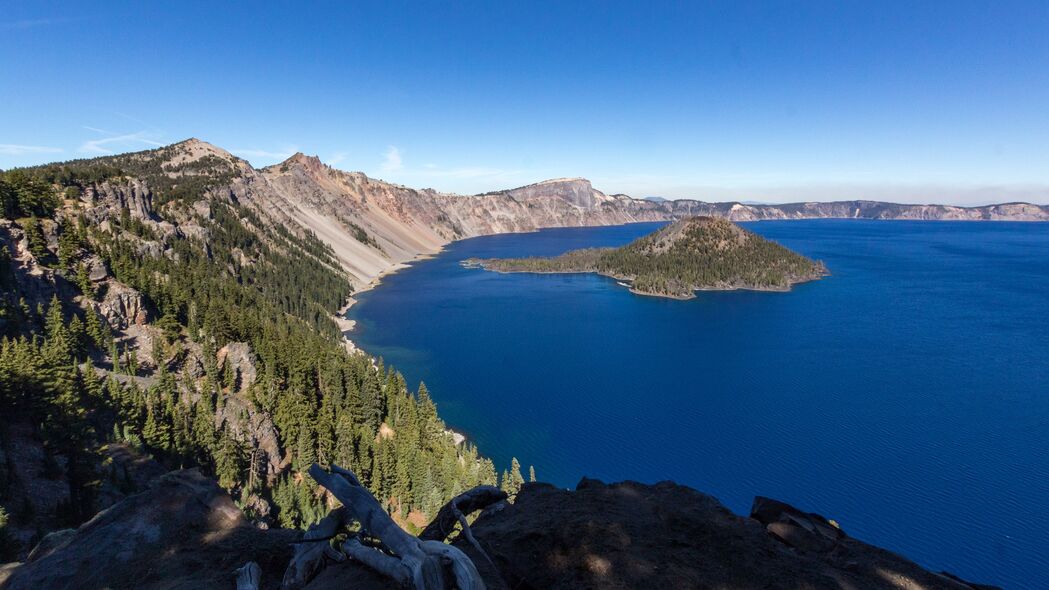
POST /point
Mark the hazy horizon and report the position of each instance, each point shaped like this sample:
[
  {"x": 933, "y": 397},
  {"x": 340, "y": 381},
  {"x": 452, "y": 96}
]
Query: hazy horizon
[{"x": 776, "y": 102}]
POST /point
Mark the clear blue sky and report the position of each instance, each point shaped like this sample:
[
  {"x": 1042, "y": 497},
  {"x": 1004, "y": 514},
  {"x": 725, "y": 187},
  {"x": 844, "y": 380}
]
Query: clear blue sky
[{"x": 910, "y": 101}]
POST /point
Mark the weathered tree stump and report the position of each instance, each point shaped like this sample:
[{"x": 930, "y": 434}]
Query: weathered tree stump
[
  {"x": 456, "y": 511},
  {"x": 422, "y": 564},
  {"x": 312, "y": 553},
  {"x": 249, "y": 576}
]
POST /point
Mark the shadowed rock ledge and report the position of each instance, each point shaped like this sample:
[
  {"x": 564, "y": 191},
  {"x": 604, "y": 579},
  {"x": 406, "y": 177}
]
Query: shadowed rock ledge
[{"x": 185, "y": 532}]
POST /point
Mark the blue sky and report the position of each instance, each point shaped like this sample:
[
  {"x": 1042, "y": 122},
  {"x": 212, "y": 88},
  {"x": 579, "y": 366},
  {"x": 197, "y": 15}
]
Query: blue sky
[{"x": 906, "y": 101}]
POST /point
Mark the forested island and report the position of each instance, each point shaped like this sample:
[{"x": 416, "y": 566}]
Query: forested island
[{"x": 696, "y": 253}]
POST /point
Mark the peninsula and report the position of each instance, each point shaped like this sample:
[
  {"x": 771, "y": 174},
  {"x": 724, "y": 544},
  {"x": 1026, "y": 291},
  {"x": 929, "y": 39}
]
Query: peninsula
[{"x": 692, "y": 254}]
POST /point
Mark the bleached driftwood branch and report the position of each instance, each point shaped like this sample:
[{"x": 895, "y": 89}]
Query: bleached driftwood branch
[
  {"x": 313, "y": 551},
  {"x": 420, "y": 564},
  {"x": 249, "y": 576},
  {"x": 456, "y": 511}
]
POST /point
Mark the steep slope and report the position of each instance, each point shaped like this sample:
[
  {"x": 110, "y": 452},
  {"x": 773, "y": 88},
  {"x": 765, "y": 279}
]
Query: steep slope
[
  {"x": 373, "y": 225},
  {"x": 168, "y": 303},
  {"x": 680, "y": 258}
]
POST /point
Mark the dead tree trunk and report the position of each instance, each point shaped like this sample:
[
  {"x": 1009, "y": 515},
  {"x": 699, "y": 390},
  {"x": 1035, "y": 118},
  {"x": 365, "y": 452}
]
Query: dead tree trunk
[
  {"x": 422, "y": 565},
  {"x": 249, "y": 576},
  {"x": 456, "y": 511},
  {"x": 313, "y": 551}
]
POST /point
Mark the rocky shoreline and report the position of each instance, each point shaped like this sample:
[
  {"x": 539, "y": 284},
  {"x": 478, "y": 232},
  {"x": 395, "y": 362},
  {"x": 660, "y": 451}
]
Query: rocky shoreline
[{"x": 346, "y": 325}]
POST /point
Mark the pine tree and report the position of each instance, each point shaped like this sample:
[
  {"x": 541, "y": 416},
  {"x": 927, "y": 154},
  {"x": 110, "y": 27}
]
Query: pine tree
[
  {"x": 77, "y": 337},
  {"x": 531, "y": 473},
  {"x": 35, "y": 235},
  {"x": 157, "y": 431},
  {"x": 305, "y": 452},
  {"x": 504, "y": 484},
  {"x": 325, "y": 428},
  {"x": 58, "y": 338},
  {"x": 230, "y": 461},
  {"x": 99, "y": 335},
  {"x": 512, "y": 480},
  {"x": 83, "y": 281},
  {"x": 67, "y": 244}
]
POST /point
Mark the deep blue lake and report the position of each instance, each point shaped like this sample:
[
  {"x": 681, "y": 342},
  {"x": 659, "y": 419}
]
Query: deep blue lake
[{"x": 905, "y": 396}]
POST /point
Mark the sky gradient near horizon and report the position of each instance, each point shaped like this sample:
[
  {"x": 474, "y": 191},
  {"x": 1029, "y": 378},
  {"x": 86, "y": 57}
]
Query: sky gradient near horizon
[{"x": 767, "y": 101}]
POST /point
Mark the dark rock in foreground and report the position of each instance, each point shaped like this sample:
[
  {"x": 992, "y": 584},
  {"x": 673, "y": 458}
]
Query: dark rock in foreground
[
  {"x": 185, "y": 532},
  {"x": 630, "y": 535}
]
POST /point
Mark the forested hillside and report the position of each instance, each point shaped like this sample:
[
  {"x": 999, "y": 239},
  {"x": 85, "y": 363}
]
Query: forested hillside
[
  {"x": 685, "y": 256},
  {"x": 154, "y": 305}
]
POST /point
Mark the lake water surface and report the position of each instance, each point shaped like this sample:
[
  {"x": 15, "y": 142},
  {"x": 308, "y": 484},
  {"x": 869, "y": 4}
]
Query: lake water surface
[{"x": 905, "y": 396}]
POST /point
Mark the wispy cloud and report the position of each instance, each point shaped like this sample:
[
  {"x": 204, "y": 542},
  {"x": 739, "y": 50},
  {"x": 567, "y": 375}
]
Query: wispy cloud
[
  {"x": 112, "y": 143},
  {"x": 14, "y": 149},
  {"x": 460, "y": 177},
  {"x": 284, "y": 154},
  {"x": 392, "y": 161},
  {"x": 335, "y": 158}
]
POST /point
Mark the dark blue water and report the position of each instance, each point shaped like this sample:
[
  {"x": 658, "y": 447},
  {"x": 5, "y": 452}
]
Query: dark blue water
[{"x": 906, "y": 396}]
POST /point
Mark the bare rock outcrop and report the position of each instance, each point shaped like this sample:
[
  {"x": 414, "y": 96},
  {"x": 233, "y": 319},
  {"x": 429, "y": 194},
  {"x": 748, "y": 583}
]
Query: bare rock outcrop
[
  {"x": 631, "y": 535},
  {"x": 122, "y": 306},
  {"x": 253, "y": 428},
  {"x": 34, "y": 475},
  {"x": 133, "y": 194},
  {"x": 34, "y": 282},
  {"x": 574, "y": 191},
  {"x": 239, "y": 358},
  {"x": 184, "y": 532}
]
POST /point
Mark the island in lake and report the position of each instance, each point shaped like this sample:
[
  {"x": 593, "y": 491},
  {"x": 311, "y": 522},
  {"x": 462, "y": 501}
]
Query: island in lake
[{"x": 692, "y": 254}]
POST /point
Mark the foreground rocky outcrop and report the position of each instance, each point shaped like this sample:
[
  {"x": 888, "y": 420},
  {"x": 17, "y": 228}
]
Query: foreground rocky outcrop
[
  {"x": 185, "y": 532},
  {"x": 631, "y": 535}
]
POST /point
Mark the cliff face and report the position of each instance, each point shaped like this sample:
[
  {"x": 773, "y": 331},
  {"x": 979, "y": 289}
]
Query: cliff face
[
  {"x": 373, "y": 225},
  {"x": 861, "y": 210}
]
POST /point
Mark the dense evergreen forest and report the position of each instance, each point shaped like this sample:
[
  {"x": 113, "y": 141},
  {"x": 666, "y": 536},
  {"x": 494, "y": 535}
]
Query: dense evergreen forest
[
  {"x": 242, "y": 279},
  {"x": 685, "y": 256}
]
